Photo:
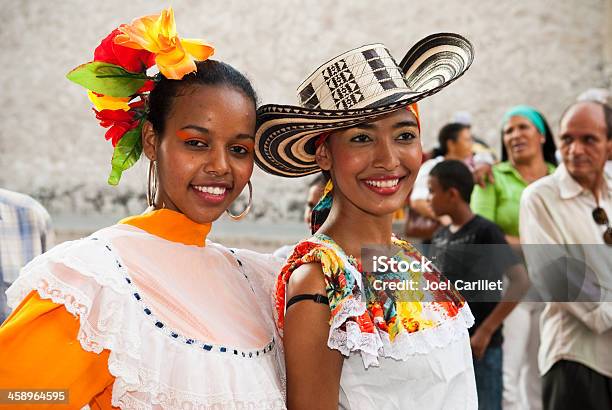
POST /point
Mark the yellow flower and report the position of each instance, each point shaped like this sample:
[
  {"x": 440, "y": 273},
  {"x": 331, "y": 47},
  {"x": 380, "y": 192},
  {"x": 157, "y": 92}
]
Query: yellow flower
[
  {"x": 409, "y": 309},
  {"x": 105, "y": 102},
  {"x": 410, "y": 315},
  {"x": 157, "y": 33}
]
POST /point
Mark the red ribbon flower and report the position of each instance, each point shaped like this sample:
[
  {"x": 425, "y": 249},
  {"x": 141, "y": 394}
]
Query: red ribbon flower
[
  {"x": 135, "y": 61},
  {"x": 119, "y": 122},
  {"x": 118, "y": 75}
]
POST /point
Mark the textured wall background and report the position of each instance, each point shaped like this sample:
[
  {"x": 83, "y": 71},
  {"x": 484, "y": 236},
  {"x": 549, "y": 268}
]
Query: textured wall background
[{"x": 541, "y": 53}]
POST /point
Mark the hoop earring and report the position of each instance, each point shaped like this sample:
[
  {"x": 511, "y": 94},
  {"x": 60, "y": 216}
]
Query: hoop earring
[
  {"x": 247, "y": 209},
  {"x": 152, "y": 183}
]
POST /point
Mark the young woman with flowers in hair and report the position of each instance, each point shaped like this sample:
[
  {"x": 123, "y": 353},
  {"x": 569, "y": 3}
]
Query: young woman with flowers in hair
[
  {"x": 148, "y": 313},
  {"x": 353, "y": 338}
]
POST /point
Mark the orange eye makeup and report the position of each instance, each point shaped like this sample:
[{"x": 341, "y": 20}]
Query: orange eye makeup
[{"x": 184, "y": 135}]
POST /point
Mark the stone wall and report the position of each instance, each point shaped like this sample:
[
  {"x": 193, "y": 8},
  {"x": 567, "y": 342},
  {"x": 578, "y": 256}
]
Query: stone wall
[
  {"x": 541, "y": 53},
  {"x": 607, "y": 43}
]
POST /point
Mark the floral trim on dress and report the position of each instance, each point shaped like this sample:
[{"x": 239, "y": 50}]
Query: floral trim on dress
[{"x": 376, "y": 322}]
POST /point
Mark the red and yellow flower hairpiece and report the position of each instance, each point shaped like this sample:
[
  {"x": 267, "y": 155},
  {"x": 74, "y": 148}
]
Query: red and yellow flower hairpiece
[{"x": 117, "y": 82}]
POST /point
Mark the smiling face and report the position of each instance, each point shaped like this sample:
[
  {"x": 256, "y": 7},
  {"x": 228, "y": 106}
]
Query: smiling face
[
  {"x": 584, "y": 143},
  {"x": 521, "y": 139},
  {"x": 205, "y": 155},
  {"x": 374, "y": 165}
]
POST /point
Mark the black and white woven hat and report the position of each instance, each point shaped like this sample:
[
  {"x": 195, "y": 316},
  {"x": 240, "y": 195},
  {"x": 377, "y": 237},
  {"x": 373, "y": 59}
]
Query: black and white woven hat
[{"x": 355, "y": 87}]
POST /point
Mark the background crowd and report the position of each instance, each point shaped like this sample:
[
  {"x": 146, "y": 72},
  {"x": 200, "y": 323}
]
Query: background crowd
[{"x": 543, "y": 191}]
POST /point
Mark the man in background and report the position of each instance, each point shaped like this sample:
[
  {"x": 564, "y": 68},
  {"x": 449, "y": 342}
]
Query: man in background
[
  {"x": 571, "y": 209},
  {"x": 605, "y": 97},
  {"x": 25, "y": 232}
]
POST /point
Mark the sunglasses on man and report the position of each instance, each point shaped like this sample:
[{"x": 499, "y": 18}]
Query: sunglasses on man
[{"x": 601, "y": 218}]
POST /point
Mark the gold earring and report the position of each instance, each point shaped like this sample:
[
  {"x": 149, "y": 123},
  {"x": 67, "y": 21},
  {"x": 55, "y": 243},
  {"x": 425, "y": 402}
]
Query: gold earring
[
  {"x": 247, "y": 209},
  {"x": 152, "y": 183}
]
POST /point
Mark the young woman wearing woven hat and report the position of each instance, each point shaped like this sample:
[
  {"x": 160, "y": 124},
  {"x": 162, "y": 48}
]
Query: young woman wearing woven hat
[
  {"x": 348, "y": 342},
  {"x": 148, "y": 313}
]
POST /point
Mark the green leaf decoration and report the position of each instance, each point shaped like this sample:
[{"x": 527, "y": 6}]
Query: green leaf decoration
[
  {"x": 127, "y": 152},
  {"x": 107, "y": 79}
]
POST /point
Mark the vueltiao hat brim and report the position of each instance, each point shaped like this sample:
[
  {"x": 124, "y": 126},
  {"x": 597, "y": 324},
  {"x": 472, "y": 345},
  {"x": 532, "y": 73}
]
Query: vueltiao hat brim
[{"x": 285, "y": 136}]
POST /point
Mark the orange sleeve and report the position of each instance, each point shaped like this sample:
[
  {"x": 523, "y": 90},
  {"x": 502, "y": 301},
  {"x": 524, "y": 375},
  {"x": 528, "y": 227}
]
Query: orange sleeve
[{"x": 39, "y": 349}]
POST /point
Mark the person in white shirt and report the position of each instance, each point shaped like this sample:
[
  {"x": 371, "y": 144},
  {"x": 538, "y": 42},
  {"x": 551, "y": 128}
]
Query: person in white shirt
[
  {"x": 456, "y": 142},
  {"x": 570, "y": 208}
]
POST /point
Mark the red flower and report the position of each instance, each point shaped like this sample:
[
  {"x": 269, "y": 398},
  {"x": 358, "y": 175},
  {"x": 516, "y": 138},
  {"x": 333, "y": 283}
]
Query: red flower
[
  {"x": 303, "y": 248},
  {"x": 148, "y": 86},
  {"x": 135, "y": 61},
  {"x": 119, "y": 122},
  {"x": 365, "y": 323}
]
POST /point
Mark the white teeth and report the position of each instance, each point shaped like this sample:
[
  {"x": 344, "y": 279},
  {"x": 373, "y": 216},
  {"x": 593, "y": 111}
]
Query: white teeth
[
  {"x": 215, "y": 190},
  {"x": 388, "y": 183}
]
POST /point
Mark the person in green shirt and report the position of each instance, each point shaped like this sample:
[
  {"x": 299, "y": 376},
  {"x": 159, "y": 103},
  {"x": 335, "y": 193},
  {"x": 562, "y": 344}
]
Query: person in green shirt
[{"x": 528, "y": 154}]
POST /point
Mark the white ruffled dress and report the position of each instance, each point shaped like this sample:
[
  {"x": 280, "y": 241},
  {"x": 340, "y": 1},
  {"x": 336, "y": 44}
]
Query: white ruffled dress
[
  {"x": 187, "y": 327},
  {"x": 401, "y": 352}
]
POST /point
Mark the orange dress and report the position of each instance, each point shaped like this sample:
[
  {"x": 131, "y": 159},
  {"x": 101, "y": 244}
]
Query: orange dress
[
  {"x": 39, "y": 349},
  {"x": 145, "y": 314}
]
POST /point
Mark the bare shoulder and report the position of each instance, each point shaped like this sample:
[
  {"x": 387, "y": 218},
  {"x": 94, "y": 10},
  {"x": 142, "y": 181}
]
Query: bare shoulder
[{"x": 307, "y": 278}]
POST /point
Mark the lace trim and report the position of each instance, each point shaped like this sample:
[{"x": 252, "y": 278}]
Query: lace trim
[
  {"x": 35, "y": 273},
  {"x": 422, "y": 342},
  {"x": 344, "y": 335},
  {"x": 378, "y": 344},
  {"x": 149, "y": 396},
  {"x": 166, "y": 401},
  {"x": 354, "y": 340},
  {"x": 135, "y": 386}
]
